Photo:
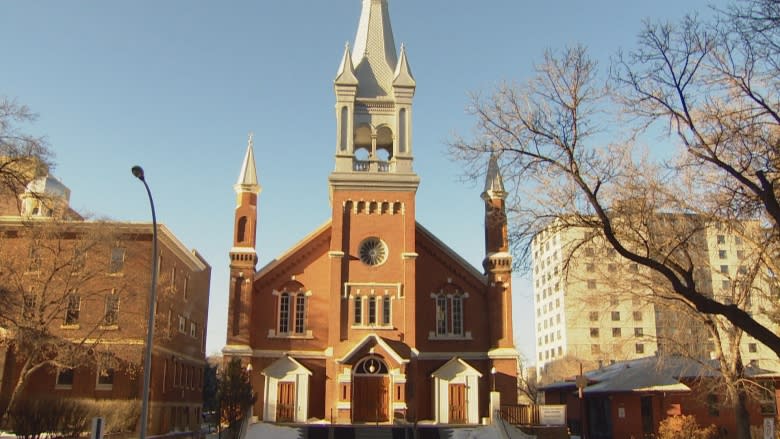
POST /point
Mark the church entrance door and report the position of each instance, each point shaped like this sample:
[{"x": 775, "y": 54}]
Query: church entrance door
[
  {"x": 370, "y": 397},
  {"x": 285, "y": 402},
  {"x": 458, "y": 404}
]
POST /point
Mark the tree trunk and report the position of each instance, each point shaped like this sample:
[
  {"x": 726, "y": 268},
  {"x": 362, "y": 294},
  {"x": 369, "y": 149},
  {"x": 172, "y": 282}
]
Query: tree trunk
[{"x": 742, "y": 415}]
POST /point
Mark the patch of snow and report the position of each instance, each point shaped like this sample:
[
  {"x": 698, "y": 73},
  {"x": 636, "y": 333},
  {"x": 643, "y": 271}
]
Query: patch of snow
[{"x": 262, "y": 430}]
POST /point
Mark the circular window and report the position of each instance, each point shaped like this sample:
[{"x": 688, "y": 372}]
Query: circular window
[{"x": 373, "y": 251}]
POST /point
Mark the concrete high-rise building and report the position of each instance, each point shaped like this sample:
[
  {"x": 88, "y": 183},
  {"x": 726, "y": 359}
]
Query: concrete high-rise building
[{"x": 593, "y": 306}]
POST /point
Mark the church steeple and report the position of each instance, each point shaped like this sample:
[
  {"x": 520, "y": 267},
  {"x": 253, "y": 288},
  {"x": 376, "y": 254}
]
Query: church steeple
[
  {"x": 374, "y": 92},
  {"x": 243, "y": 256},
  {"x": 498, "y": 259}
]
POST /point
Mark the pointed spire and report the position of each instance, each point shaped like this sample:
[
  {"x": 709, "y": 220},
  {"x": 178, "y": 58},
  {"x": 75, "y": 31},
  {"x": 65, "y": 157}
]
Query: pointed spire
[
  {"x": 375, "y": 32},
  {"x": 375, "y": 56},
  {"x": 247, "y": 178},
  {"x": 346, "y": 72},
  {"x": 403, "y": 73},
  {"x": 494, "y": 184}
]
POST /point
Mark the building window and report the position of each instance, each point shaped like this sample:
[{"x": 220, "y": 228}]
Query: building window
[
  {"x": 721, "y": 239},
  {"x": 590, "y": 267},
  {"x": 712, "y": 405},
  {"x": 441, "y": 314},
  {"x": 386, "y": 310},
  {"x": 614, "y": 301},
  {"x": 358, "y": 310},
  {"x": 725, "y": 284},
  {"x": 591, "y": 284},
  {"x": 79, "y": 260},
  {"x": 105, "y": 379},
  {"x": 292, "y": 312},
  {"x": 28, "y": 307},
  {"x": 193, "y": 329},
  {"x": 182, "y": 324},
  {"x": 34, "y": 259},
  {"x": 111, "y": 315},
  {"x": 639, "y": 332},
  {"x": 721, "y": 254},
  {"x": 752, "y": 348},
  {"x": 724, "y": 269},
  {"x": 64, "y": 379},
  {"x": 449, "y": 314},
  {"x": 593, "y": 316},
  {"x": 616, "y": 332},
  {"x": 74, "y": 306},
  {"x": 117, "y": 262},
  {"x": 594, "y": 332},
  {"x": 595, "y": 349},
  {"x": 372, "y": 310},
  {"x": 186, "y": 287},
  {"x": 640, "y": 348},
  {"x": 300, "y": 313},
  {"x": 615, "y": 316},
  {"x": 638, "y": 316},
  {"x": 284, "y": 313},
  {"x": 741, "y": 254}
]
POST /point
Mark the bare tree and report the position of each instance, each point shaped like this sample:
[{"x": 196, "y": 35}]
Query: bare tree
[
  {"x": 53, "y": 278},
  {"x": 570, "y": 142},
  {"x": 22, "y": 156}
]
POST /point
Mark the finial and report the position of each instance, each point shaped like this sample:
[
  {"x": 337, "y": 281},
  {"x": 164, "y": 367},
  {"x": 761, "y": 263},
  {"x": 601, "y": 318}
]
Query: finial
[
  {"x": 346, "y": 45},
  {"x": 251, "y": 139}
]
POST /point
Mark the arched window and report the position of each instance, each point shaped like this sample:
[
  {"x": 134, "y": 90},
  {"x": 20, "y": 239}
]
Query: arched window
[
  {"x": 241, "y": 232},
  {"x": 449, "y": 311},
  {"x": 292, "y": 310},
  {"x": 284, "y": 313}
]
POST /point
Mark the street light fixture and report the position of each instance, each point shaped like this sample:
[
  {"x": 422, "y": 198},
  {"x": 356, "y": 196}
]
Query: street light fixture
[
  {"x": 138, "y": 172},
  {"x": 493, "y": 376}
]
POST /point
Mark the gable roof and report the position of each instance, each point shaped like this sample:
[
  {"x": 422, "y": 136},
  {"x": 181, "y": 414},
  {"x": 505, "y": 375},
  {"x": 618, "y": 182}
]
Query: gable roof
[
  {"x": 453, "y": 368},
  {"x": 285, "y": 366},
  {"x": 458, "y": 259},
  {"x": 267, "y": 268},
  {"x": 385, "y": 344}
]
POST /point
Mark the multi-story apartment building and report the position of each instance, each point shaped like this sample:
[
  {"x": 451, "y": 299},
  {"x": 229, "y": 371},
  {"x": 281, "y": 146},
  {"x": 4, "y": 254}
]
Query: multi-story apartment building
[
  {"x": 593, "y": 306},
  {"x": 85, "y": 286}
]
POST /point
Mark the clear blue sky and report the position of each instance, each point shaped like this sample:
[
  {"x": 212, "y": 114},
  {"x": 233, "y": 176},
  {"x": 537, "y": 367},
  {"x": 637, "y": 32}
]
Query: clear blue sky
[{"x": 176, "y": 85}]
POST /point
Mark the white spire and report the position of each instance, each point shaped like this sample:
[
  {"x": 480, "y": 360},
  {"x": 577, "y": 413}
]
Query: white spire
[
  {"x": 346, "y": 73},
  {"x": 403, "y": 73},
  {"x": 247, "y": 178},
  {"x": 494, "y": 184},
  {"x": 375, "y": 56}
]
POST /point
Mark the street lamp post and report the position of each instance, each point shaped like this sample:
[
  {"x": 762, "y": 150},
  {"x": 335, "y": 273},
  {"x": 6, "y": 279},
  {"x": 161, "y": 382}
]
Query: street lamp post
[{"x": 138, "y": 172}]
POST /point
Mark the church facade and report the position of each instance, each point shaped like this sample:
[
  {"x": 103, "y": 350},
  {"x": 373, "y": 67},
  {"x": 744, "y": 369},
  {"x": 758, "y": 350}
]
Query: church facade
[{"x": 371, "y": 318}]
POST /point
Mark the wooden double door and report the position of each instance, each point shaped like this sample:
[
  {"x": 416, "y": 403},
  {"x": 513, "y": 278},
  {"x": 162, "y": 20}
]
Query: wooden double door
[
  {"x": 370, "y": 398},
  {"x": 285, "y": 402},
  {"x": 458, "y": 404}
]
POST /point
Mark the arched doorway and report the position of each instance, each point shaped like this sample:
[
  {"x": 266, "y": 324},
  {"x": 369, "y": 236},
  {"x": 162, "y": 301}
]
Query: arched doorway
[{"x": 370, "y": 394}]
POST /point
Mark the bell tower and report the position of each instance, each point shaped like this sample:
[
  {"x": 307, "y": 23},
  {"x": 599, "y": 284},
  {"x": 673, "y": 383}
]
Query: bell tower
[
  {"x": 374, "y": 92},
  {"x": 373, "y": 185},
  {"x": 243, "y": 256}
]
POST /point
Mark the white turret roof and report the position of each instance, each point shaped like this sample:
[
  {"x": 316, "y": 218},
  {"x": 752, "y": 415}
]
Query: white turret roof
[
  {"x": 374, "y": 56},
  {"x": 494, "y": 184},
  {"x": 49, "y": 186},
  {"x": 346, "y": 73},
  {"x": 247, "y": 178}
]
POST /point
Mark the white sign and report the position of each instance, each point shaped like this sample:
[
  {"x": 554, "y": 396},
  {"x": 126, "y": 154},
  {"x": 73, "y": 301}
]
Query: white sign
[
  {"x": 552, "y": 414},
  {"x": 769, "y": 428}
]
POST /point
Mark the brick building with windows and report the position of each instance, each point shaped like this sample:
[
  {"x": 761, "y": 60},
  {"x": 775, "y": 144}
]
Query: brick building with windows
[
  {"x": 86, "y": 285},
  {"x": 371, "y": 318}
]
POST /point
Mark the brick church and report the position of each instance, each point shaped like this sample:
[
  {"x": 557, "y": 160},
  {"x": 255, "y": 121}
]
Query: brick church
[{"x": 371, "y": 318}]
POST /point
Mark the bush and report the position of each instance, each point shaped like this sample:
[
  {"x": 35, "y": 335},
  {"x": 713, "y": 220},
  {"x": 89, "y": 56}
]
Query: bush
[
  {"x": 71, "y": 418},
  {"x": 684, "y": 427}
]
